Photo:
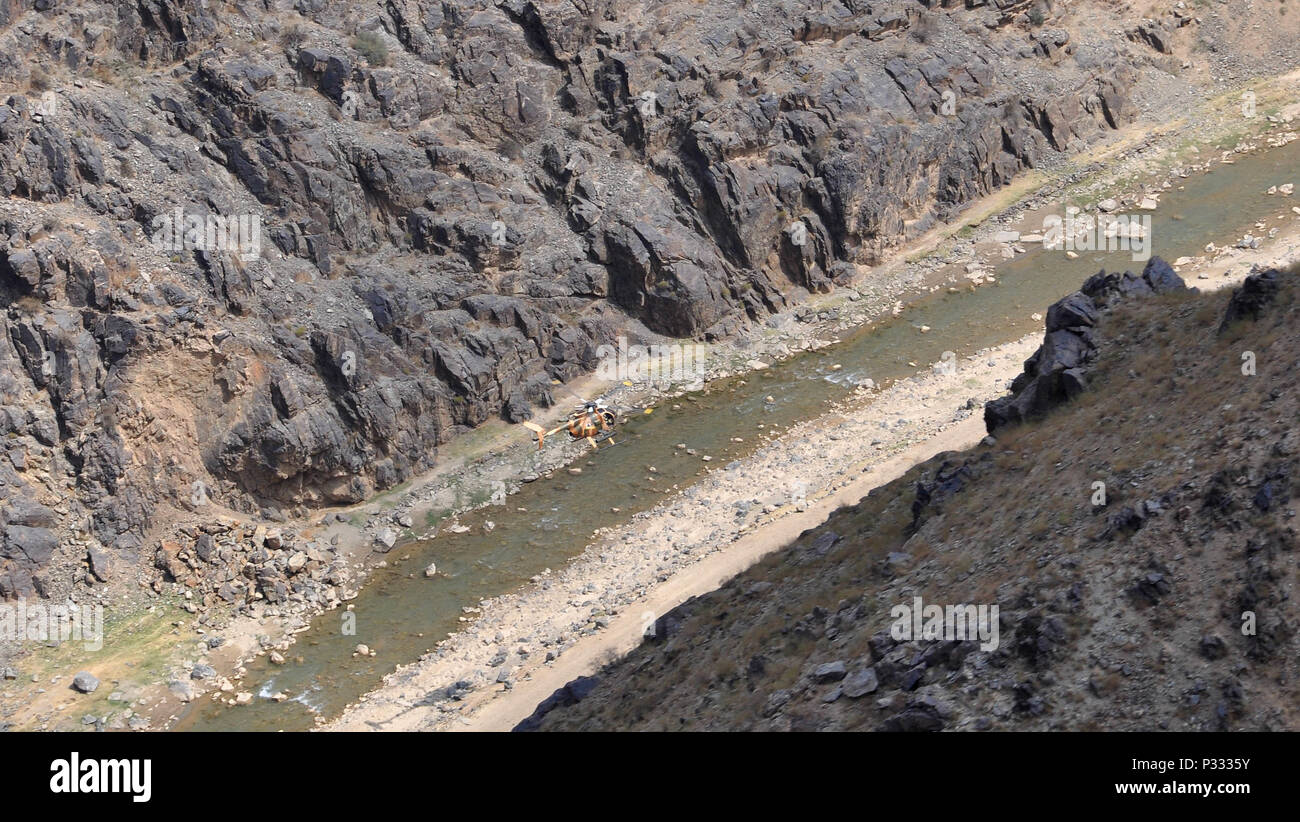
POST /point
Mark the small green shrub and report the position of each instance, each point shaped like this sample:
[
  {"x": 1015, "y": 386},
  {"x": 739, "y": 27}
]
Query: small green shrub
[{"x": 372, "y": 47}]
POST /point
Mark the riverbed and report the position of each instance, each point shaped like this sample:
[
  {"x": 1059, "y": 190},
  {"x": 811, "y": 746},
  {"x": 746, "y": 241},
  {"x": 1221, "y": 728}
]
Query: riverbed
[{"x": 400, "y": 615}]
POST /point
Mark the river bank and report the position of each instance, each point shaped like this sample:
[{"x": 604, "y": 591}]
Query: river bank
[
  {"x": 1132, "y": 165},
  {"x": 943, "y": 263},
  {"x": 568, "y": 625}
]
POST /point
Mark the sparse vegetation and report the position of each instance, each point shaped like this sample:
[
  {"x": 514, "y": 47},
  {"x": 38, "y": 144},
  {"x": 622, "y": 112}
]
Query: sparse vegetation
[
  {"x": 293, "y": 37},
  {"x": 372, "y": 47},
  {"x": 38, "y": 81}
]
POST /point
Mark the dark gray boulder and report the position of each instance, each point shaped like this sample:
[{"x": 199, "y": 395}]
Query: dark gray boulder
[
  {"x": 1058, "y": 370},
  {"x": 1250, "y": 300},
  {"x": 571, "y": 694}
]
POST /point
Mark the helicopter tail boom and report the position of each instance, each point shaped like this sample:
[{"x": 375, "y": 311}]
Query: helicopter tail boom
[{"x": 539, "y": 431}]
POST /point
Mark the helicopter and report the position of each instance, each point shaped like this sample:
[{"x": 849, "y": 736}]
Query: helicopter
[{"x": 591, "y": 419}]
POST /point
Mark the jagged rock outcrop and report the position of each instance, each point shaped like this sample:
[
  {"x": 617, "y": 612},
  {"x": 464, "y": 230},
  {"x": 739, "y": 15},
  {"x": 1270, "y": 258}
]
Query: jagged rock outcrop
[
  {"x": 1058, "y": 370},
  {"x": 570, "y": 694},
  {"x": 948, "y": 479},
  {"x": 1252, "y": 298}
]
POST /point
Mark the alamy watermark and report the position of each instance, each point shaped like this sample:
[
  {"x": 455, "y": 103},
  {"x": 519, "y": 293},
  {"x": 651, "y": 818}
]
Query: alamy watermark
[
  {"x": 237, "y": 234},
  {"x": 658, "y": 364},
  {"x": 949, "y": 105},
  {"x": 1102, "y": 232},
  {"x": 647, "y": 103},
  {"x": 47, "y": 106},
  {"x": 951, "y": 622},
  {"x": 20, "y": 622},
  {"x": 947, "y": 364},
  {"x": 133, "y": 777}
]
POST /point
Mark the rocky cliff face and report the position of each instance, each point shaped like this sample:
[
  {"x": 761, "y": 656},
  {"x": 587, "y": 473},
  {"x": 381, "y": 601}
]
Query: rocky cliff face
[{"x": 445, "y": 207}]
